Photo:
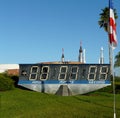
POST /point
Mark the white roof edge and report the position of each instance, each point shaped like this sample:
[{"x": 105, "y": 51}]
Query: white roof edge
[{"x": 9, "y": 66}]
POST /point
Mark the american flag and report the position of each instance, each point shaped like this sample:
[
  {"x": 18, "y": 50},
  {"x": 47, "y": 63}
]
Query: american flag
[{"x": 112, "y": 26}]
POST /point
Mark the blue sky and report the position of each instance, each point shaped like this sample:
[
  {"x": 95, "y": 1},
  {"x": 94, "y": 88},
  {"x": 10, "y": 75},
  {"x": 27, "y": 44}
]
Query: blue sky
[{"x": 33, "y": 31}]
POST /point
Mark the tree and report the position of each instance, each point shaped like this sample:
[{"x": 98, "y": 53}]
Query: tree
[
  {"x": 117, "y": 60},
  {"x": 104, "y": 18}
]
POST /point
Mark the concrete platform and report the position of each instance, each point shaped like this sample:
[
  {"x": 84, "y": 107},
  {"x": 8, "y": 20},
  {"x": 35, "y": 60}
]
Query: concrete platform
[{"x": 63, "y": 91}]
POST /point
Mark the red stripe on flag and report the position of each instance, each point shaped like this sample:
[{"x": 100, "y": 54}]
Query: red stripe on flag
[
  {"x": 112, "y": 23},
  {"x": 112, "y": 30},
  {"x": 112, "y": 39}
]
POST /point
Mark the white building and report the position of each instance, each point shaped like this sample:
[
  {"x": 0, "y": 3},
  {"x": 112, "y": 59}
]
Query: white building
[{"x": 5, "y": 67}]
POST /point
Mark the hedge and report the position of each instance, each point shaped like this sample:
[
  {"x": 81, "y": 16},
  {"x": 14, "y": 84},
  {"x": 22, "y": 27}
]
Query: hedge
[{"x": 6, "y": 83}]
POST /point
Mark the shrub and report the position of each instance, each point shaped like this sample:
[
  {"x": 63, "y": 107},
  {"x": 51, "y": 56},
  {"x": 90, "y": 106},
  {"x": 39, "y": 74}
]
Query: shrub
[
  {"x": 117, "y": 79},
  {"x": 6, "y": 83},
  {"x": 15, "y": 79}
]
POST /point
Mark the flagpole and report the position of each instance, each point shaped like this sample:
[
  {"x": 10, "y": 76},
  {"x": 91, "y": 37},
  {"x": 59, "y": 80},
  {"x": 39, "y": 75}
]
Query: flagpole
[
  {"x": 112, "y": 45},
  {"x": 113, "y": 76}
]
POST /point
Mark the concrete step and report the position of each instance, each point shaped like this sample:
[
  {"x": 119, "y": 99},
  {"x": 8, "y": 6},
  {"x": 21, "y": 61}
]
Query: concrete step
[{"x": 63, "y": 91}]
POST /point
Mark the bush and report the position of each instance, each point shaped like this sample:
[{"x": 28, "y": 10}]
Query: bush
[
  {"x": 15, "y": 79},
  {"x": 6, "y": 83},
  {"x": 117, "y": 79}
]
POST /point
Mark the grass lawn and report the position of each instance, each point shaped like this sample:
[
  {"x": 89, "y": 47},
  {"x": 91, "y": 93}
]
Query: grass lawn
[{"x": 20, "y": 103}]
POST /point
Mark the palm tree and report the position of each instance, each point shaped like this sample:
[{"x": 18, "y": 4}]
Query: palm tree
[
  {"x": 104, "y": 18},
  {"x": 117, "y": 60}
]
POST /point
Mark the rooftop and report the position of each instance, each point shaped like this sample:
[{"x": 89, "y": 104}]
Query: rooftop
[{"x": 59, "y": 62}]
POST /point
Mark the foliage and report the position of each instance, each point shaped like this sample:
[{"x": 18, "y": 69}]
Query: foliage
[
  {"x": 117, "y": 60},
  {"x": 104, "y": 18},
  {"x": 6, "y": 83},
  {"x": 117, "y": 79},
  {"x": 15, "y": 79},
  {"x": 20, "y": 103},
  {"x": 103, "y": 22}
]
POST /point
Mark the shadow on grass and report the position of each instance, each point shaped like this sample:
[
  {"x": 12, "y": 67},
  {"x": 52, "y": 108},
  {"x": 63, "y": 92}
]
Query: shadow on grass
[{"x": 94, "y": 102}]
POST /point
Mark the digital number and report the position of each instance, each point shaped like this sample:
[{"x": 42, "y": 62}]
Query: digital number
[
  {"x": 83, "y": 73},
  {"x": 74, "y": 72},
  {"x": 33, "y": 73},
  {"x": 103, "y": 73},
  {"x": 92, "y": 73},
  {"x": 44, "y": 73},
  {"x": 62, "y": 73}
]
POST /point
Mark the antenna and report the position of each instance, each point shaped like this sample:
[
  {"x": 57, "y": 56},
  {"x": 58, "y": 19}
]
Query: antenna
[
  {"x": 101, "y": 60},
  {"x": 62, "y": 58},
  {"x": 80, "y": 57},
  {"x": 84, "y": 58}
]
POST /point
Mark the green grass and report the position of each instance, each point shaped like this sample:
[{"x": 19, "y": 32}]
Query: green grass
[{"x": 20, "y": 103}]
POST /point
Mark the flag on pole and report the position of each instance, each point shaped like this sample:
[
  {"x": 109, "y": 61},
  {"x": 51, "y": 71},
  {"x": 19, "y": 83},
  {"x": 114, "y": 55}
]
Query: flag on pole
[
  {"x": 113, "y": 42},
  {"x": 112, "y": 26}
]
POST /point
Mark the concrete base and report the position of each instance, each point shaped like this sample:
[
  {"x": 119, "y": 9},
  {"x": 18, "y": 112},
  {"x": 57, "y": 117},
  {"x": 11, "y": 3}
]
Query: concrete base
[{"x": 63, "y": 91}]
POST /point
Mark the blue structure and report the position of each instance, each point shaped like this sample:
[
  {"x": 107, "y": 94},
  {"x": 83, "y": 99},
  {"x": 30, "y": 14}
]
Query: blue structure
[{"x": 79, "y": 78}]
